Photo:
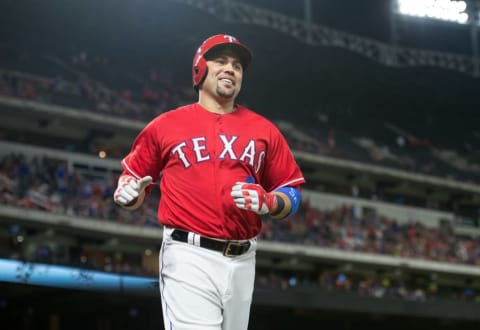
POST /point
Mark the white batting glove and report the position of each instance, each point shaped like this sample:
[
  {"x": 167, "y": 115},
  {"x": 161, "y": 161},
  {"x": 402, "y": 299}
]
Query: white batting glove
[
  {"x": 252, "y": 197},
  {"x": 129, "y": 189}
]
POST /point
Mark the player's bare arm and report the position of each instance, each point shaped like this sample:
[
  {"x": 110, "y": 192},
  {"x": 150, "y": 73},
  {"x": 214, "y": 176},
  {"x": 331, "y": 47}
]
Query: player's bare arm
[{"x": 284, "y": 206}]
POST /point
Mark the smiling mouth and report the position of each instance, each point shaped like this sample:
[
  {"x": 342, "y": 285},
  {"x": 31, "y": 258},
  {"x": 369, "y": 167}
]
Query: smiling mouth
[{"x": 227, "y": 81}]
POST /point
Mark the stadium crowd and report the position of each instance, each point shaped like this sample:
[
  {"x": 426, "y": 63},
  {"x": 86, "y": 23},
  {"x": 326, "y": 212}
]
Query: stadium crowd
[
  {"x": 47, "y": 184},
  {"x": 378, "y": 286},
  {"x": 330, "y": 132},
  {"x": 89, "y": 95}
]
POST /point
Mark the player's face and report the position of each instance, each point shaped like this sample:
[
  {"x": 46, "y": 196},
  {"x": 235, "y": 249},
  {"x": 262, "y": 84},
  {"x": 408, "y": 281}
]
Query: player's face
[{"x": 224, "y": 78}]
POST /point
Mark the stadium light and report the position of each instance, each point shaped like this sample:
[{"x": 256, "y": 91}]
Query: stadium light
[{"x": 447, "y": 10}]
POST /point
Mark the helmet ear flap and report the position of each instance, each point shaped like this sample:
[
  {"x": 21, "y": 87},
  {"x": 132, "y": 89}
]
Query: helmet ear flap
[
  {"x": 199, "y": 72},
  {"x": 202, "y": 80}
]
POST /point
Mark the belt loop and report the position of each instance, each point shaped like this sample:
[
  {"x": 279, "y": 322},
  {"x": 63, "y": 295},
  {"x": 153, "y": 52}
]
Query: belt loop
[
  {"x": 191, "y": 238},
  {"x": 196, "y": 239},
  {"x": 253, "y": 244}
]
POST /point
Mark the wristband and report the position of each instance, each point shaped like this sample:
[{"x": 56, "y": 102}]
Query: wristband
[
  {"x": 293, "y": 195},
  {"x": 280, "y": 206}
]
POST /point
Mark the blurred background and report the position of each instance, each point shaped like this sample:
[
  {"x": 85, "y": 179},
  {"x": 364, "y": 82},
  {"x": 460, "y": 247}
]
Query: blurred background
[{"x": 378, "y": 99}]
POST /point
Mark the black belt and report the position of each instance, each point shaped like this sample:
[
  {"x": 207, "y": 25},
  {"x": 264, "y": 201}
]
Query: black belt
[{"x": 228, "y": 248}]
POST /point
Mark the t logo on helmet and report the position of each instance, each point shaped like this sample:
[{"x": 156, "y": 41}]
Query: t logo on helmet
[{"x": 230, "y": 38}]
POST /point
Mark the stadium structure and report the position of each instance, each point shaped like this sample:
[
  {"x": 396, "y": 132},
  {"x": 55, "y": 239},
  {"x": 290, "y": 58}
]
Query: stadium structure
[{"x": 381, "y": 112}]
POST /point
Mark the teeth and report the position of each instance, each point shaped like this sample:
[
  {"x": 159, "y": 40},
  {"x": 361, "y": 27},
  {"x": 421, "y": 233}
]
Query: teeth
[{"x": 227, "y": 80}]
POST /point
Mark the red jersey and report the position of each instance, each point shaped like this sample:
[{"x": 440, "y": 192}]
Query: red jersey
[{"x": 200, "y": 156}]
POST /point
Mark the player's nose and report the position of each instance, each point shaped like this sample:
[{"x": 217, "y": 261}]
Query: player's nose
[
  {"x": 230, "y": 65},
  {"x": 228, "y": 68}
]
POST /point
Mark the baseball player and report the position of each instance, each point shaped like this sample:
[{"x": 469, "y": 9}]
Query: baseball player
[{"x": 222, "y": 167}]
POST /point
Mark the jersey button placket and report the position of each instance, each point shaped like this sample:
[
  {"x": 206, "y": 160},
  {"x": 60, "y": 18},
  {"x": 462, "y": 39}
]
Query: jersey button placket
[
  {"x": 217, "y": 162},
  {"x": 219, "y": 130}
]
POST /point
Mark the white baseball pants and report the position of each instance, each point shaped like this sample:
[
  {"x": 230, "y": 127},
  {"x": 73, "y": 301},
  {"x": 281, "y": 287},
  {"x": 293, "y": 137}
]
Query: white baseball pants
[{"x": 202, "y": 289}]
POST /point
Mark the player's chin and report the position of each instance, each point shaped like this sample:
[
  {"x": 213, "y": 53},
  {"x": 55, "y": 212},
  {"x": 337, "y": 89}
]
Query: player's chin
[{"x": 226, "y": 93}]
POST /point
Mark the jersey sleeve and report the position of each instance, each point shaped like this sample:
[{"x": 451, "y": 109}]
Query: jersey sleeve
[
  {"x": 145, "y": 157},
  {"x": 281, "y": 169}
]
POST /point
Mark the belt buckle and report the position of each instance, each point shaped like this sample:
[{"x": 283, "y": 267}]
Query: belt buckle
[
  {"x": 233, "y": 249},
  {"x": 227, "y": 251}
]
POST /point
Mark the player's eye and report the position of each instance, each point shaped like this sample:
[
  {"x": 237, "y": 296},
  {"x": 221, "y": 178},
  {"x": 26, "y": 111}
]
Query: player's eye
[
  {"x": 237, "y": 66},
  {"x": 220, "y": 60}
]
